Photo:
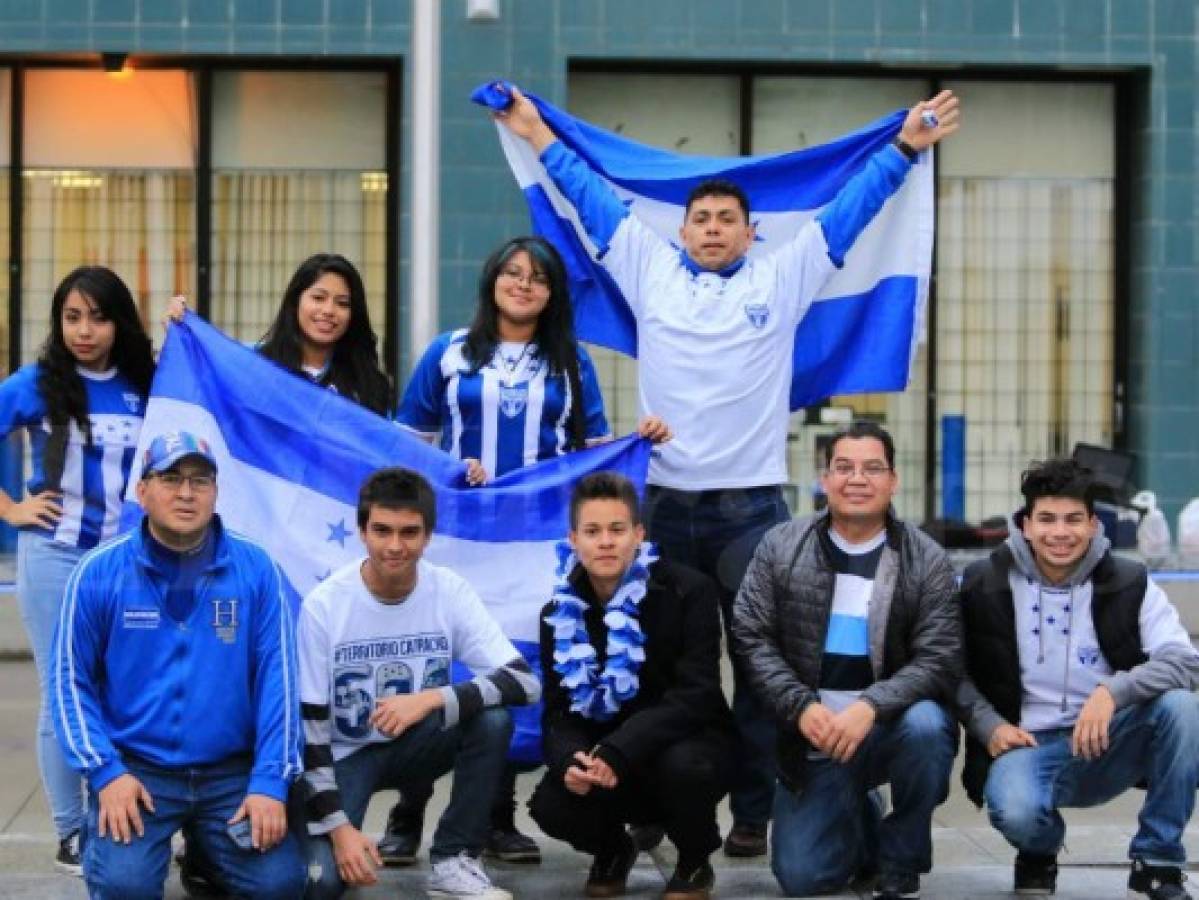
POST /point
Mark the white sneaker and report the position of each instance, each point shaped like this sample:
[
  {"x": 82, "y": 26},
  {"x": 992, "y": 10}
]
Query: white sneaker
[{"x": 462, "y": 876}]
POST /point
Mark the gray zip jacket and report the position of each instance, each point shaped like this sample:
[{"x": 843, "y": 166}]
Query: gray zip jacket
[
  {"x": 1060, "y": 660},
  {"x": 781, "y": 616}
]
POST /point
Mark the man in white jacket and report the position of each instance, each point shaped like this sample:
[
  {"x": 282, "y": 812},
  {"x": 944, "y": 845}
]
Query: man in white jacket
[{"x": 1079, "y": 686}]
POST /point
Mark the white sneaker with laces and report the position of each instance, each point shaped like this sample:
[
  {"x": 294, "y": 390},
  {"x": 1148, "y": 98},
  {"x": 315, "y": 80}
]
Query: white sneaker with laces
[{"x": 462, "y": 876}]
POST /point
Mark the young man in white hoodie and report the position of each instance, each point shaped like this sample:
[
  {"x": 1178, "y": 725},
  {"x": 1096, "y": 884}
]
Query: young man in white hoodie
[{"x": 1079, "y": 686}]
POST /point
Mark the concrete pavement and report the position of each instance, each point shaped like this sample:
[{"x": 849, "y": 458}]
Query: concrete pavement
[{"x": 972, "y": 861}]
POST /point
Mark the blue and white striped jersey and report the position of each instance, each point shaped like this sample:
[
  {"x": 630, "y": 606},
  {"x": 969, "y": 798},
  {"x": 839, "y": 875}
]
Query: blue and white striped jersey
[
  {"x": 509, "y": 414},
  {"x": 93, "y": 477}
]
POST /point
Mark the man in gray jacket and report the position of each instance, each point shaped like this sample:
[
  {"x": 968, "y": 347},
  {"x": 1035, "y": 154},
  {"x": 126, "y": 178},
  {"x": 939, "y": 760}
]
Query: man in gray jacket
[
  {"x": 1080, "y": 680},
  {"x": 847, "y": 625}
]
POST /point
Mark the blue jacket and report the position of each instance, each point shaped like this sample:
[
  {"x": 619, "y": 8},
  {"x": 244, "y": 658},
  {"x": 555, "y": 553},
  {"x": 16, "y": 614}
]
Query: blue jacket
[{"x": 127, "y": 679}]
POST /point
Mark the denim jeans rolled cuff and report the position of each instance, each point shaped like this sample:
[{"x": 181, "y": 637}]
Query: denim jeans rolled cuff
[
  {"x": 202, "y": 801},
  {"x": 43, "y": 567},
  {"x": 1156, "y": 742},
  {"x": 716, "y": 532},
  {"x": 829, "y": 830}
]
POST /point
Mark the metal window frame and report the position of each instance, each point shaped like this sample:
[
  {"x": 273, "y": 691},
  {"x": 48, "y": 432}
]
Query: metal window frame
[{"x": 202, "y": 68}]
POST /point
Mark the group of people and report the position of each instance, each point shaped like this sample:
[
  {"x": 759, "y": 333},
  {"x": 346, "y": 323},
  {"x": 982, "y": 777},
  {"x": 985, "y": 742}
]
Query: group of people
[{"x": 855, "y": 653}]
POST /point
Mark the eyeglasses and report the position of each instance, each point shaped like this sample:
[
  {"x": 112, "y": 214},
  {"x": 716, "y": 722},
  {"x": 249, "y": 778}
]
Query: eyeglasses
[
  {"x": 536, "y": 279},
  {"x": 843, "y": 468},
  {"x": 173, "y": 481}
]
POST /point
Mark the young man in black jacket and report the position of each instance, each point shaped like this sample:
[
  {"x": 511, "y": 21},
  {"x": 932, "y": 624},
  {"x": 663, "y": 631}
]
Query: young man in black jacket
[{"x": 635, "y": 729}]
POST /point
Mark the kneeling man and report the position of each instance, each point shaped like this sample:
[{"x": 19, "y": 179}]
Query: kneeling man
[
  {"x": 376, "y": 641},
  {"x": 1080, "y": 680},
  {"x": 635, "y": 728},
  {"x": 847, "y": 624},
  {"x": 174, "y": 693}
]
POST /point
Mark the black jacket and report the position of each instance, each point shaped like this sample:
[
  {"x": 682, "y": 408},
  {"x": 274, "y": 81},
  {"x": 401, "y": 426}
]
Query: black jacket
[
  {"x": 679, "y": 694},
  {"x": 781, "y": 617}
]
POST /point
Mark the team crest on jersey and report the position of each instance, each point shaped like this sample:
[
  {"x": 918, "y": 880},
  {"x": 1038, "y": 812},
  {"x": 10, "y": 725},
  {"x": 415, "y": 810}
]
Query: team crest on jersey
[
  {"x": 224, "y": 620},
  {"x": 758, "y": 314},
  {"x": 132, "y": 401},
  {"x": 513, "y": 399},
  {"x": 1088, "y": 656}
]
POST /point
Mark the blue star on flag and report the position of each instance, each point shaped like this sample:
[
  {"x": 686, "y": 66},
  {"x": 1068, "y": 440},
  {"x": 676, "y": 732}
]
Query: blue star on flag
[{"x": 338, "y": 532}]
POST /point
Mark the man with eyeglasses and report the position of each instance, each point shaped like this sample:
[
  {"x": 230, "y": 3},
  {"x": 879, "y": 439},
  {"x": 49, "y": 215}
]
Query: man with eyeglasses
[
  {"x": 848, "y": 628},
  {"x": 174, "y": 687}
]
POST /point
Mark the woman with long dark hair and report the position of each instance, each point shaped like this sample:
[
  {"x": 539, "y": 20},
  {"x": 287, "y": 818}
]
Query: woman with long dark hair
[
  {"x": 512, "y": 389},
  {"x": 82, "y": 403},
  {"x": 323, "y": 332}
]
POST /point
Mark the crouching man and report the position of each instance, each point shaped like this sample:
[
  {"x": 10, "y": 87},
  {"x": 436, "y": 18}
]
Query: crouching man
[
  {"x": 376, "y": 641},
  {"x": 1080, "y": 680},
  {"x": 635, "y": 728},
  {"x": 174, "y": 690},
  {"x": 848, "y": 626}
]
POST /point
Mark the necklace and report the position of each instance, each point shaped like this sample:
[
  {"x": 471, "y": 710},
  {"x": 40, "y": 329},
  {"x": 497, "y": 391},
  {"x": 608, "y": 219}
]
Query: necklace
[
  {"x": 510, "y": 364},
  {"x": 597, "y": 694}
]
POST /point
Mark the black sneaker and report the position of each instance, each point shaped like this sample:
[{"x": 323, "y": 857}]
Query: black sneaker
[
  {"x": 509, "y": 845},
  {"x": 196, "y": 875},
  {"x": 897, "y": 886},
  {"x": 1156, "y": 882},
  {"x": 610, "y": 871},
  {"x": 646, "y": 837},
  {"x": 690, "y": 881},
  {"x": 745, "y": 840},
  {"x": 1036, "y": 876},
  {"x": 401, "y": 838},
  {"x": 67, "y": 859}
]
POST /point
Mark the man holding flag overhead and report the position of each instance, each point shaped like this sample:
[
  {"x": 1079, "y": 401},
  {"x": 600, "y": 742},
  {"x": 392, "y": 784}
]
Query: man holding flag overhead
[{"x": 716, "y": 338}]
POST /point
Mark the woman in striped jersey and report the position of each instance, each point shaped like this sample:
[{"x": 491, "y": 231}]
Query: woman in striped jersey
[
  {"x": 82, "y": 403},
  {"x": 512, "y": 389}
]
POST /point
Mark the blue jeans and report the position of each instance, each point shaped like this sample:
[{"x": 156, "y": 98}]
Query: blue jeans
[
  {"x": 476, "y": 750},
  {"x": 830, "y": 830},
  {"x": 1155, "y": 742},
  {"x": 43, "y": 568},
  {"x": 717, "y": 533},
  {"x": 203, "y": 800}
]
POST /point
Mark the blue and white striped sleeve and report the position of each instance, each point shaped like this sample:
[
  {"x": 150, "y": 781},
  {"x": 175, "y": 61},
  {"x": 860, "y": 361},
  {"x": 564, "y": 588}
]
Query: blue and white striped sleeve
[
  {"x": 75, "y": 670},
  {"x": 596, "y": 427},
  {"x": 276, "y": 691},
  {"x": 421, "y": 408}
]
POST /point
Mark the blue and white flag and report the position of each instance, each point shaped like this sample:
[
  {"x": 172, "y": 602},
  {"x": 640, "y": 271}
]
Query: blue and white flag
[
  {"x": 861, "y": 333},
  {"x": 291, "y": 457}
]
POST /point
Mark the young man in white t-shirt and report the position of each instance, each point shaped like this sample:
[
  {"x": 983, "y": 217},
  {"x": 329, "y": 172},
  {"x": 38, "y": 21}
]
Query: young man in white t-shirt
[{"x": 376, "y": 642}]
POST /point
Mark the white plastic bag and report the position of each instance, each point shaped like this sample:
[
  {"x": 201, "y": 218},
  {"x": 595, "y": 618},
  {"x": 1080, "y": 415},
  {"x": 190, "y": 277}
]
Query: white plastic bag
[
  {"x": 1153, "y": 534},
  {"x": 1188, "y": 530}
]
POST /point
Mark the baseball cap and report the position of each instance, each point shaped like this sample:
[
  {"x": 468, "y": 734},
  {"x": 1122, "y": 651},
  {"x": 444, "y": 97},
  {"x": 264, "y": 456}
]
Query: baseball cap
[{"x": 167, "y": 449}]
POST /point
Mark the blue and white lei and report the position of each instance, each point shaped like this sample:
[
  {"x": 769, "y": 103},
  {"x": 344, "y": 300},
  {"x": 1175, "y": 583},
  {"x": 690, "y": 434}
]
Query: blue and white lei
[{"x": 594, "y": 694}]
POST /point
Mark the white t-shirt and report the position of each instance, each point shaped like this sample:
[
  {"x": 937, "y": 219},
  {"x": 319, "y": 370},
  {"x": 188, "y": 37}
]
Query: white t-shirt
[
  {"x": 715, "y": 353},
  {"x": 354, "y": 649}
]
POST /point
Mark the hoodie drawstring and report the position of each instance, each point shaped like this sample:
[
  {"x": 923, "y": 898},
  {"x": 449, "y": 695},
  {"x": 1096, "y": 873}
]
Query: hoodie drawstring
[{"x": 1069, "y": 638}]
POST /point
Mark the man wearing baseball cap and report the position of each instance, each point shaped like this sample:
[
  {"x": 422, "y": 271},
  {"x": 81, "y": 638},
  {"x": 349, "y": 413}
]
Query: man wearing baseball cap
[{"x": 173, "y": 687}]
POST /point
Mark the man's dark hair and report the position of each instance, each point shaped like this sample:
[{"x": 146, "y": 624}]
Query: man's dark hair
[
  {"x": 604, "y": 486},
  {"x": 1058, "y": 478},
  {"x": 718, "y": 187},
  {"x": 397, "y": 488},
  {"x": 857, "y": 431}
]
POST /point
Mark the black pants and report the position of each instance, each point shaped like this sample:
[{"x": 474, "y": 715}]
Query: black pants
[{"x": 679, "y": 792}]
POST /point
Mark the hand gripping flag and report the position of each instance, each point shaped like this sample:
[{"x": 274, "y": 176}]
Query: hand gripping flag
[
  {"x": 291, "y": 457},
  {"x": 861, "y": 332}
]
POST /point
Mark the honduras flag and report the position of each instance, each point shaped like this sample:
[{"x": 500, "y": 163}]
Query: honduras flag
[
  {"x": 860, "y": 334},
  {"x": 291, "y": 457}
]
